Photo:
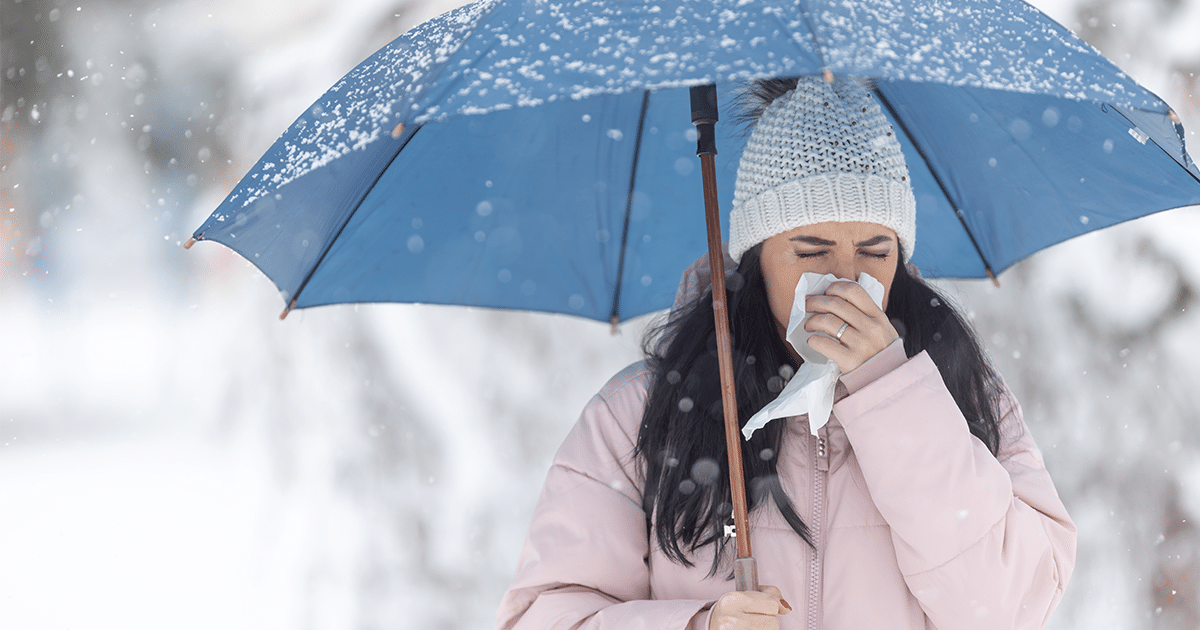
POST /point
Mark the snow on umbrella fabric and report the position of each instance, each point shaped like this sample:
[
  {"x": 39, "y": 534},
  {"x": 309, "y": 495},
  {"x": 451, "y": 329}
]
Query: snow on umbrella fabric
[{"x": 535, "y": 155}]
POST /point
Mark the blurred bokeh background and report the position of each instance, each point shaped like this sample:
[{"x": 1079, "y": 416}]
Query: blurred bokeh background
[{"x": 172, "y": 455}]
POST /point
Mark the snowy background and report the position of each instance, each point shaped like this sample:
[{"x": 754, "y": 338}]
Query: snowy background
[{"x": 172, "y": 455}]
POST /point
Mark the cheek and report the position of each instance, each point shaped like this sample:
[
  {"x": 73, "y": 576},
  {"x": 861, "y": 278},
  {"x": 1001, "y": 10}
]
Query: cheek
[
  {"x": 886, "y": 280},
  {"x": 781, "y": 292},
  {"x": 781, "y": 272},
  {"x": 781, "y": 305}
]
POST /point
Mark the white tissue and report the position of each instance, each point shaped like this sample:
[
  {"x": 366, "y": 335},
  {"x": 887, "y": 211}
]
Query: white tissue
[{"x": 812, "y": 387}]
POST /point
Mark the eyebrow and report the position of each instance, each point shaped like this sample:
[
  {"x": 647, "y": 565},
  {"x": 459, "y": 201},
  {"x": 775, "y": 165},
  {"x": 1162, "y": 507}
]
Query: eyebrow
[
  {"x": 821, "y": 242},
  {"x": 813, "y": 240},
  {"x": 874, "y": 240}
]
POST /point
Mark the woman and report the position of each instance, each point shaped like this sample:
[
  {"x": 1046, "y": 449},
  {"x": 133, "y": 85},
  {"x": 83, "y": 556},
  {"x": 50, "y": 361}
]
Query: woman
[{"x": 922, "y": 502}]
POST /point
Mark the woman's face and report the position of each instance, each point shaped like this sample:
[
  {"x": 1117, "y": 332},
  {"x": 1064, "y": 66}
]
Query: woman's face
[{"x": 844, "y": 249}]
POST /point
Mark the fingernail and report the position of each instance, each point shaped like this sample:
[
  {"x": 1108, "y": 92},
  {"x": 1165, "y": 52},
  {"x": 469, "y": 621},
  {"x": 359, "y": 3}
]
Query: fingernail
[{"x": 785, "y": 604}]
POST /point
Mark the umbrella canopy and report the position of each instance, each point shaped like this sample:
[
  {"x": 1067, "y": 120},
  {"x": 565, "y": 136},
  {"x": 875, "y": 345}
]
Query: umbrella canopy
[{"x": 535, "y": 155}]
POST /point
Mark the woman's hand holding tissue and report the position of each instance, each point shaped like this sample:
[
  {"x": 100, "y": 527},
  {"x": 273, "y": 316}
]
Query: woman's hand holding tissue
[
  {"x": 811, "y": 389},
  {"x": 868, "y": 333}
]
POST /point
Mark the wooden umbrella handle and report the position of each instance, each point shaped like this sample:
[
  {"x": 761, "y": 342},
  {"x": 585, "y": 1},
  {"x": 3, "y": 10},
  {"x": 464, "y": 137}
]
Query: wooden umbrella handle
[
  {"x": 733, "y": 434},
  {"x": 704, "y": 116}
]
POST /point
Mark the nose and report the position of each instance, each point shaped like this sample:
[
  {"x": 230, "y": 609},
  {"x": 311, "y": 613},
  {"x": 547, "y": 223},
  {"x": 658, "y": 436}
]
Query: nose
[{"x": 844, "y": 266}]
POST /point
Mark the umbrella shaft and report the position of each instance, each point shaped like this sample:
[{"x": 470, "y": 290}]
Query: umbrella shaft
[{"x": 733, "y": 436}]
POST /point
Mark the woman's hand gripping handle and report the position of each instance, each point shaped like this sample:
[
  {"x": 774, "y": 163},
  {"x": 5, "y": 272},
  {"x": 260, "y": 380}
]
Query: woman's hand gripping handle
[{"x": 749, "y": 610}]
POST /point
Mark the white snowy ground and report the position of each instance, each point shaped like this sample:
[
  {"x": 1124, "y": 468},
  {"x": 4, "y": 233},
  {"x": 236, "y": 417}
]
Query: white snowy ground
[{"x": 171, "y": 455}]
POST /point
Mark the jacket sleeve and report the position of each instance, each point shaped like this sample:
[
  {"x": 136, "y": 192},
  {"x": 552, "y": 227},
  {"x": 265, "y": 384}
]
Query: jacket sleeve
[
  {"x": 983, "y": 541},
  {"x": 584, "y": 563}
]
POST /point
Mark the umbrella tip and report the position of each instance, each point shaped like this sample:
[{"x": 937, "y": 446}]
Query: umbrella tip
[
  {"x": 398, "y": 131},
  {"x": 1174, "y": 117},
  {"x": 189, "y": 243},
  {"x": 287, "y": 309},
  {"x": 992, "y": 275},
  {"x": 615, "y": 321},
  {"x": 828, "y": 75}
]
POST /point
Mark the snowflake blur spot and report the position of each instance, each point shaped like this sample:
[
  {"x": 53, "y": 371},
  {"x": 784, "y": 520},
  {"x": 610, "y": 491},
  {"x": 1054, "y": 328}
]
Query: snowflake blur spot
[{"x": 705, "y": 471}]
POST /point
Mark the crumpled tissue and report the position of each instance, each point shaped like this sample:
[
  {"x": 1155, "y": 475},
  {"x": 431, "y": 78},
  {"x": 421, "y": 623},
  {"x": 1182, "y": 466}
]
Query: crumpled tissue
[{"x": 811, "y": 389}]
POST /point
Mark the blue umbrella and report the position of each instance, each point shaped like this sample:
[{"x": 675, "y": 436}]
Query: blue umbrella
[{"x": 536, "y": 156}]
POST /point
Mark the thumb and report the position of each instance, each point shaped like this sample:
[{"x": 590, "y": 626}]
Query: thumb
[{"x": 784, "y": 606}]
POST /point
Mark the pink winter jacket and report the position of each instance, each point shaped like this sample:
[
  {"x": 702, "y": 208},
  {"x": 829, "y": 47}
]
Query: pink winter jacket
[{"x": 916, "y": 524}]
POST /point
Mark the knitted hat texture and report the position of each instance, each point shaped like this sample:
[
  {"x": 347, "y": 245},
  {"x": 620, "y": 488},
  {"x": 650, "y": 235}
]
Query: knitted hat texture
[{"x": 821, "y": 152}]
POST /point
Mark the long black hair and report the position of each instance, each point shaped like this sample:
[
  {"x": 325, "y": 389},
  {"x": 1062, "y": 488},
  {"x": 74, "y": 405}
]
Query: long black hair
[{"x": 682, "y": 441}]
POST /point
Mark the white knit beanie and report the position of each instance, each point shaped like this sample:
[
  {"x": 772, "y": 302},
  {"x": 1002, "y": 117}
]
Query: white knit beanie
[{"x": 821, "y": 152}]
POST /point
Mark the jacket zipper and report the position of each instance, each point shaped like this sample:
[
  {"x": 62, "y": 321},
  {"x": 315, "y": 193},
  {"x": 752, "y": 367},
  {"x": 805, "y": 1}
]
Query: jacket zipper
[{"x": 820, "y": 478}]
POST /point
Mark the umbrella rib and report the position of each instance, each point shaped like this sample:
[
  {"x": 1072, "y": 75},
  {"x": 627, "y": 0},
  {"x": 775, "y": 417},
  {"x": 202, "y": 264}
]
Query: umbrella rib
[
  {"x": 987, "y": 267},
  {"x": 1133, "y": 125},
  {"x": 349, "y": 215},
  {"x": 637, "y": 152}
]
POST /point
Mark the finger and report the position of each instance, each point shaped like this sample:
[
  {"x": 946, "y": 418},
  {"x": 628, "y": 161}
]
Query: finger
[
  {"x": 828, "y": 324},
  {"x": 856, "y": 295},
  {"x": 759, "y": 622},
  {"x": 784, "y": 607},
  {"x": 746, "y": 622},
  {"x": 763, "y": 604},
  {"x": 746, "y": 610},
  {"x": 843, "y": 356},
  {"x": 840, "y": 308},
  {"x": 750, "y": 603}
]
